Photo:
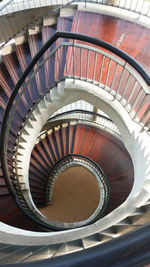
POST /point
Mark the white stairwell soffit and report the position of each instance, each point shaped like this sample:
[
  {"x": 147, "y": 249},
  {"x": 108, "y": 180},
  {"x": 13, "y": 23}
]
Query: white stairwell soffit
[{"x": 136, "y": 142}]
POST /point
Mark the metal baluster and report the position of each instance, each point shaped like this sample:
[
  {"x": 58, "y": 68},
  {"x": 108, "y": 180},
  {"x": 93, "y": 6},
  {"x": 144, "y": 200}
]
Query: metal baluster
[
  {"x": 29, "y": 4},
  {"x": 80, "y": 63},
  {"x": 116, "y": 69},
  {"x": 73, "y": 62},
  {"x": 145, "y": 114},
  {"x": 126, "y": 86},
  {"x": 140, "y": 107},
  {"x": 136, "y": 101},
  {"x": 130, "y": 4},
  {"x": 34, "y": 4},
  {"x": 120, "y": 81},
  {"x": 142, "y": 7},
  {"x": 137, "y": 1},
  {"x": 123, "y": 4},
  {"x": 101, "y": 69},
  {"x": 58, "y": 65},
  {"x": 95, "y": 62},
  {"x": 23, "y": 5},
  {"x": 66, "y": 64},
  {"x": 148, "y": 11},
  {"x": 108, "y": 71},
  {"x": 147, "y": 124},
  {"x": 46, "y": 71},
  {"x": 52, "y": 68},
  {"x": 17, "y": 6},
  {"x": 148, "y": 8},
  {"x": 119, "y": 3},
  {"x": 131, "y": 93},
  {"x": 87, "y": 71}
]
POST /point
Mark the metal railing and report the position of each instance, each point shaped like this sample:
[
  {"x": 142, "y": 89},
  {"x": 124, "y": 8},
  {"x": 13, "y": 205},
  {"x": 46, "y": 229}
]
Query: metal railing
[
  {"x": 82, "y": 116},
  {"x": 31, "y": 4},
  {"x": 8, "y": 7},
  {"x": 75, "y": 160},
  {"x": 119, "y": 75},
  {"x": 140, "y": 7}
]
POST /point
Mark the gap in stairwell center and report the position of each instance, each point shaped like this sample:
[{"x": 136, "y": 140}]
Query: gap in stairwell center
[{"x": 75, "y": 197}]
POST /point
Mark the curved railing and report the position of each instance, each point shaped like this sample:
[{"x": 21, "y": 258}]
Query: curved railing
[
  {"x": 104, "y": 65},
  {"x": 8, "y": 112},
  {"x": 139, "y": 7},
  {"x": 84, "y": 116},
  {"x": 71, "y": 160}
]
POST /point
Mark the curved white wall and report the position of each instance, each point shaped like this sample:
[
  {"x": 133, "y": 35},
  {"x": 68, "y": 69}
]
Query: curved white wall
[{"x": 133, "y": 139}]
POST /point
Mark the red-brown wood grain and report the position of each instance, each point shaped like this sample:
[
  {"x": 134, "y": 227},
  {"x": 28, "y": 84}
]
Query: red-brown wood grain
[
  {"x": 35, "y": 43},
  {"x": 105, "y": 149},
  {"x": 49, "y": 66}
]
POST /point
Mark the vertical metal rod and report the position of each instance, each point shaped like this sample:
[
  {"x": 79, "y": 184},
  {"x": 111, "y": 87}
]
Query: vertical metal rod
[
  {"x": 108, "y": 71},
  {"x": 124, "y": 4},
  {"x": 140, "y": 107},
  {"x": 137, "y": 1},
  {"x": 136, "y": 100},
  {"x": 131, "y": 93},
  {"x": 66, "y": 61},
  {"x": 23, "y": 5},
  {"x": 142, "y": 7},
  {"x": 95, "y": 62},
  {"x": 120, "y": 80},
  {"x": 148, "y": 9},
  {"x": 52, "y": 67},
  {"x": 112, "y": 85},
  {"x": 87, "y": 70},
  {"x": 147, "y": 124},
  {"x": 73, "y": 61},
  {"x": 130, "y": 4},
  {"x": 145, "y": 114},
  {"x": 29, "y": 4},
  {"x": 58, "y": 78},
  {"x": 80, "y": 62},
  {"x": 101, "y": 69},
  {"x": 46, "y": 70},
  {"x": 126, "y": 86}
]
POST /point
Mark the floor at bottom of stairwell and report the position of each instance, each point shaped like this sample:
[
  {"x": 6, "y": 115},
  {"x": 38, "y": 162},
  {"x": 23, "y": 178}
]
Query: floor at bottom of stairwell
[{"x": 76, "y": 196}]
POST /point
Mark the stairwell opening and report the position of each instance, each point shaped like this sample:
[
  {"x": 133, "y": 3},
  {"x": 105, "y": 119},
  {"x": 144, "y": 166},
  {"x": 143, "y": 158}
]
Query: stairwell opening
[{"x": 75, "y": 197}]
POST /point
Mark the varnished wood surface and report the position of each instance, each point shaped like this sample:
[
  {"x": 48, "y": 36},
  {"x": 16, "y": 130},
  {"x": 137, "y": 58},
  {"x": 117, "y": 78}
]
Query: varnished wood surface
[
  {"x": 10, "y": 213},
  {"x": 24, "y": 58},
  {"x": 63, "y": 24},
  {"x": 107, "y": 151},
  {"x": 128, "y": 36},
  {"x": 131, "y": 38},
  {"x": 49, "y": 66},
  {"x": 35, "y": 43},
  {"x": 111, "y": 156}
]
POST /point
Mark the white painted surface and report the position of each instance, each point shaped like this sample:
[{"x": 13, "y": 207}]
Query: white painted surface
[{"x": 133, "y": 139}]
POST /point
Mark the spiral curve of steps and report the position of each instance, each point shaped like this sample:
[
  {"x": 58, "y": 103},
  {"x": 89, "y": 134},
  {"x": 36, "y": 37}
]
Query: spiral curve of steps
[{"x": 56, "y": 83}]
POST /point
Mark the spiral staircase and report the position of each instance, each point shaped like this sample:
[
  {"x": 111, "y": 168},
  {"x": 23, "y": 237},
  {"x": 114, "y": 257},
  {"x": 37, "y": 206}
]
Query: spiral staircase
[{"x": 81, "y": 53}]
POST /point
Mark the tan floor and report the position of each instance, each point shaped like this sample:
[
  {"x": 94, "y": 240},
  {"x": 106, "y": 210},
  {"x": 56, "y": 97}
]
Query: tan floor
[{"x": 75, "y": 198}]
